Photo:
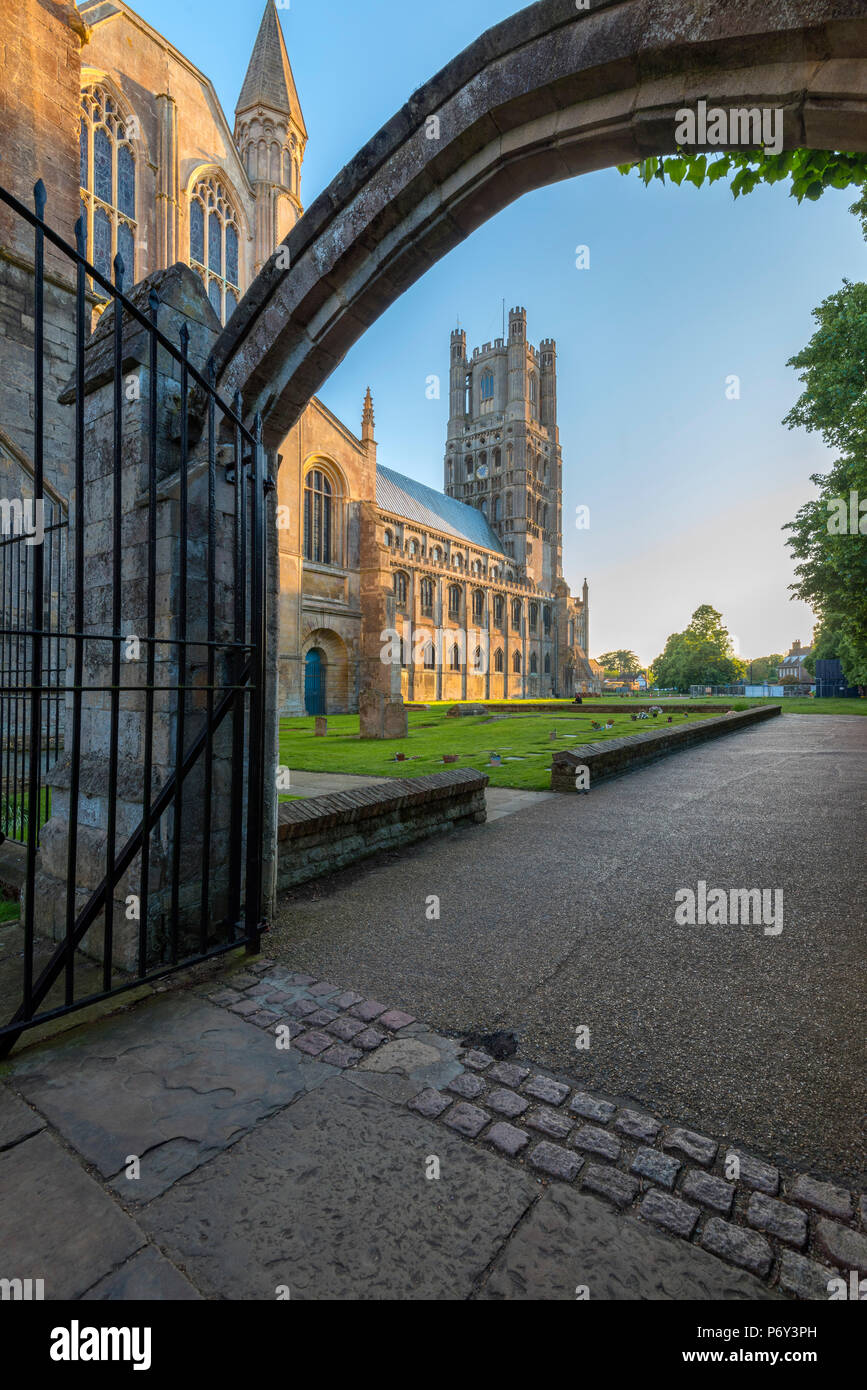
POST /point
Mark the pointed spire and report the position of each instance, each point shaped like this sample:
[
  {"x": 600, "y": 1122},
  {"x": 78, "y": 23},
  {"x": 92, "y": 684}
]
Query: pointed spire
[
  {"x": 269, "y": 81},
  {"x": 367, "y": 419}
]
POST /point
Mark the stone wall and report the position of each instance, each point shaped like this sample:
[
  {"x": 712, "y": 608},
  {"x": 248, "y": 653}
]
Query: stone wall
[
  {"x": 326, "y": 833},
  {"x": 616, "y": 755},
  {"x": 39, "y": 99}
]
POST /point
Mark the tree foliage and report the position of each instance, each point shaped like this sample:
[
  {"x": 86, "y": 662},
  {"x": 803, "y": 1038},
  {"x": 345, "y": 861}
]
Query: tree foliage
[
  {"x": 810, "y": 172},
  {"x": 829, "y": 533},
  {"x": 700, "y": 655},
  {"x": 622, "y": 663},
  {"x": 765, "y": 669}
]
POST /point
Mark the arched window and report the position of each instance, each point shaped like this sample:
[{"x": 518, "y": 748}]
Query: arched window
[
  {"x": 498, "y": 504},
  {"x": 478, "y": 605},
  {"x": 516, "y": 663},
  {"x": 413, "y": 549},
  {"x": 429, "y": 658},
  {"x": 427, "y": 595},
  {"x": 571, "y": 633},
  {"x": 498, "y": 659},
  {"x": 214, "y": 244},
  {"x": 546, "y": 619},
  {"x": 319, "y": 518},
  {"x": 534, "y": 390},
  {"x": 548, "y": 664},
  {"x": 436, "y": 555},
  {"x": 499, "y": 606},
  {"x": 456, "y": 658},
  {"x": 508, "y": 504},
  {"x": 454, "y": 600},
  {"x": 484, "y": 508},
  {"x": 534, "y": 664},
  {"x": 534, "y": 616},
  {"x": 400, "y": 587},
  {"x": 486, "y": 386},
  {"x": 478, "y": 662},
  {"x": 498, "y": 459},
  {"x": 545, "y": 517},
  {"x": 451, "y": 472},
  {"x": 468, "y": 462},
  {"x": 516, "y": 613},
  {"x": 386, "y": 539},
  {"x": 107, "y": 184}
]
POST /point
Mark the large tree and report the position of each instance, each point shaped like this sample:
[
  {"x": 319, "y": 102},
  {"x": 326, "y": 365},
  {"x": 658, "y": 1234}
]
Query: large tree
[
  {"x": 625, "y": 663},
  {"x": 700, "y": 655},
  {"x": 829, "y": 533}
]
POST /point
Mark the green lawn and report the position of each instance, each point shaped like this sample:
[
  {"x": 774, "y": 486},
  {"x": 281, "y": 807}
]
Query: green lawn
[
  {"x": 523, "y": 737},
  {"x": 792, "y": 705}
]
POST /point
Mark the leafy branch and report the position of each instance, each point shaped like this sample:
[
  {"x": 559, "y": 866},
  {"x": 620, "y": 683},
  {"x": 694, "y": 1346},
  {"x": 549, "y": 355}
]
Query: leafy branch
[{"x": 810, "y": 172}]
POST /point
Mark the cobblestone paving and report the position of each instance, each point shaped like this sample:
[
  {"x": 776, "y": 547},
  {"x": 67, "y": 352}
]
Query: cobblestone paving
[{"x": 788, "y": 1229}]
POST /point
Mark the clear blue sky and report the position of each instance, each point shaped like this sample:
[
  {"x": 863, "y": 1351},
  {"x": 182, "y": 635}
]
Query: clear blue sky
[{"x": 688, "y": 490}]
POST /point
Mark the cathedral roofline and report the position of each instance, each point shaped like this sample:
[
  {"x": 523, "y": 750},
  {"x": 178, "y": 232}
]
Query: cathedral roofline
[
  {"x": 97, "y": 12},
  {"x": 403, "y": 496}
]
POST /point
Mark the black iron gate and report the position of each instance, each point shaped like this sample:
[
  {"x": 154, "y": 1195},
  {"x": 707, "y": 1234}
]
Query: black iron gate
[{"x": 201, "y": 677}]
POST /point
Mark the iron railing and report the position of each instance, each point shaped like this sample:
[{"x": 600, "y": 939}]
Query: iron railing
[{"x": 48, "y": 653}]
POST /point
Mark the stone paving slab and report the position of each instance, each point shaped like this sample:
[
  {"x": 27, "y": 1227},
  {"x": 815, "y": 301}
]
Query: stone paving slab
[
  {"x": 57, "y": 1223},
  {"x": 148, "y": 1276},
  {"x": 571, "y": 1239},
  {"x": 174, "y": 1083},
  {"x": 330, "y": 1198},
  {"x": 17, "y": 1120}
]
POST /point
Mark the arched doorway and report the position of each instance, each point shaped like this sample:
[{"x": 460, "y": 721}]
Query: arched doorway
[{"x": 315, "y": 665}]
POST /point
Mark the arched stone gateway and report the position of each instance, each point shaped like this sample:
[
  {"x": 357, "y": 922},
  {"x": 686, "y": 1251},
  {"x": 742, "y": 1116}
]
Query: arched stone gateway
[{"x": 553, "y": 92}]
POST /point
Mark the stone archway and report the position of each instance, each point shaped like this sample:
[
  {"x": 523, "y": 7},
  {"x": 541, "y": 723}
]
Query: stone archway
[
  {"x": 333, "y": 668},
  {"x": 550, "y": 93}
]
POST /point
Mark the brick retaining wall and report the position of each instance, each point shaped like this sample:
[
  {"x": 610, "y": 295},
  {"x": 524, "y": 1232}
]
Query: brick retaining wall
[
  {"x": 613, "y": 756},
  {"x": 324, "y": 833}
]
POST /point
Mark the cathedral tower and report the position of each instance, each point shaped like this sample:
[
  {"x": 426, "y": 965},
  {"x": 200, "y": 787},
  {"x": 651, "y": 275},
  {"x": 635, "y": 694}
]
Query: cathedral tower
[
  {"x": 503, "y": 447},
  {"x": 271, "y": 136}
]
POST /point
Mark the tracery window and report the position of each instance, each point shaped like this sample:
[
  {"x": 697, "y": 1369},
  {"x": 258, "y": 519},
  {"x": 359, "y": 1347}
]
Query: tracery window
[
  {"x": 454, "y": 599},
  {"x": 534, "y": 616},
  {"x": 516, "y": 663},
  {"x": 534, "y": 664},
  {"x": 547, "y": 664},
  {"x": 427, "y": 595},
  {"x": 508, "y": 504},
  {"x": 429, "y": 657},
  {"x": 516, "y": 613},
  {"x": 498, "y": 660},
  {"x": 478, "y": 604},
  {"x": 499, "y": 605},
  {"x": 400, "y": 587},
  {"x": 214, "y": 244},
  {"x": 318, "y": 518},
  {"x": 107, "y": 180},
  {"x": 456, "y": 658}
]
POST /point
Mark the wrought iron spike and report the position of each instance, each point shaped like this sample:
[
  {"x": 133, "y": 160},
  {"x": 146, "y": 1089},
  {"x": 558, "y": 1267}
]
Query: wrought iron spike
[
  {"x": 40, "y": 197},
  {"x": 118, "y": 271}
]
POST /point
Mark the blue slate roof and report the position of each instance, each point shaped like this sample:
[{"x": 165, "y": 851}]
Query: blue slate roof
[{"x": 405, "y": 497}]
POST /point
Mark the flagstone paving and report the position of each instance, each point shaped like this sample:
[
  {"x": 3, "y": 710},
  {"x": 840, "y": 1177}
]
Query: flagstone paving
[{"x": 410, "y": 1167}]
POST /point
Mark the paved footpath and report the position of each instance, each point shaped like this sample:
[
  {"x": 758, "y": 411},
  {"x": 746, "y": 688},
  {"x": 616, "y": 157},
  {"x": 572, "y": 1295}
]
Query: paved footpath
[
  {"x": 264, "y": 1130},
  {"x": 563, "y": 916}
]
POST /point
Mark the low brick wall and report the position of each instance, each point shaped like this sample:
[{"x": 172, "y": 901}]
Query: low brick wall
[
  {"x": 614, "y": 707},
  {"x": 611, "y": 757},
  {"x": 324, "y": 833}
]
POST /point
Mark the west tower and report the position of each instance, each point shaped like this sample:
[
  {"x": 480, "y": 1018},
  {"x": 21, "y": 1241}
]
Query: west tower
[{"x": 503, "y": 446}]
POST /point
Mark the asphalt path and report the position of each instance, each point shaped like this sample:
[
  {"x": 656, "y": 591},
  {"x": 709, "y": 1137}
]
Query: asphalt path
[{"x": 563, "y": 917}]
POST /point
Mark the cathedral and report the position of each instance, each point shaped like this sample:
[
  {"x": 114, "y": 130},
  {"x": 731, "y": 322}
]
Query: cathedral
[{"x": 453, "y": 595}]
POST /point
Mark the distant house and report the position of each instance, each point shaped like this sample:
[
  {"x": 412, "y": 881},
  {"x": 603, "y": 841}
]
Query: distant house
[
  {"x": 627, "y": 681},
  {"x": 792, "y": 668}
]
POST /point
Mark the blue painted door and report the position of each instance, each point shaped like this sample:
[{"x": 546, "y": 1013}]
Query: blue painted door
[{"x": 314, "y": 683}]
